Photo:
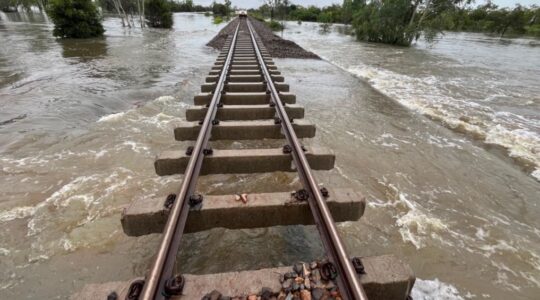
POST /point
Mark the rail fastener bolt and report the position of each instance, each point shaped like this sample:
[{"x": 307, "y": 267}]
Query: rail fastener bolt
[
  {"x": 324, "y": 192},
  {"x": 195, "y": 200},
  {"x": 301, "y": 195},
  {"x": 287, "y": 149},
  {"x": 135, "y": 290},
  {"x": 169, "y": 201},
  {"x": 174, "y": 286},
  {"x": 328, "y": 271},
  {"x": 208, "y": 151},
  {"x": 189, "y": 150},
  {"x": 358, "y": 265},
  {"x": 112, "y": 296}
]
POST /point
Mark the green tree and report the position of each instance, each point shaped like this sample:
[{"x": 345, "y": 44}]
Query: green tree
[
  {"x": 228, "y": 8},
  {"x": 349, "y": 7},
  {"x": 401, "y": 21},
  {"x": 75, "y": 19},
  {"x": 219, "y": 9},
  {"x": 490, "y": 19},
  {"x": 158, "y": 14}
]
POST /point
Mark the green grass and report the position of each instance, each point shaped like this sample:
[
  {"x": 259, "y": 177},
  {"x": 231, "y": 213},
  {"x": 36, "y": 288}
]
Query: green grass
[{"x": 218, "y": 20}]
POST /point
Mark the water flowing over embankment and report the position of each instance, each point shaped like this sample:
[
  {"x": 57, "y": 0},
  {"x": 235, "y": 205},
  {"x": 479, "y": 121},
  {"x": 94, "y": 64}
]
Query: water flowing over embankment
[{"x": 478, "y": 85}]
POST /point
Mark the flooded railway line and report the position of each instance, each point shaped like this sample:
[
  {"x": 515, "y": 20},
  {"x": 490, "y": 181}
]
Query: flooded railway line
[{"x": 245, "y": 98}]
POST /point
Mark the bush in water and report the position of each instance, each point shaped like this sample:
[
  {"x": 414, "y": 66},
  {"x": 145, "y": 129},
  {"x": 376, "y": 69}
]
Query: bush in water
[
  {"x": 385, "y": 22},
  {"x": 158, "y": 14},
  {"x": 75, "y": 19},
  {"x": 275, "y": 26}
]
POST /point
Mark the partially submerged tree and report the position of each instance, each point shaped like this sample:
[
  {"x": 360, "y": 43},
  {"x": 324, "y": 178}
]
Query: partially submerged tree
[
  {"x": 400, "y": 22},
  {"x": 75, "y": 19},
  {"x": 14, "y": 5},
  {"x": 219, "y": 9},
  {"x": 158, "y": 14}
]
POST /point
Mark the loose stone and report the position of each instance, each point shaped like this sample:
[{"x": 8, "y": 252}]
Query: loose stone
[
  {"x": 252, "y": 297},
  {"x": 316, "y": 275},
  {"x": 318, "y": 293},
  {"x": 313, "y": 265},
  {"x": 287, "y": 284},
  {"x": 213, "y": 295},
  {"x": 266, "y": 293},
  {"x": 290, "y": 275},
  {"x": 299, "y": 280},
  {"x": 305, "y": 295},
  {"x": 244, "y": 198},
  {"x": 307, "y": 283},
  {"x": 298, "y": 268},
  {"x": 305, "y": 270},
  {"x": 330, "y": 285}
]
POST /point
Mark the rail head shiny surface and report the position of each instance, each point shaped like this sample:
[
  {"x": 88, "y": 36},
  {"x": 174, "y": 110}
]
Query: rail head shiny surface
[
  {"x": 163, "y": 265},
  {"x": 348, "y": 282}
]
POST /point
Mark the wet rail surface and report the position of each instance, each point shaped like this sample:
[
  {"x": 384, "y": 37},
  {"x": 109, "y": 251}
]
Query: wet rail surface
[{"x": 245, "y": 97}]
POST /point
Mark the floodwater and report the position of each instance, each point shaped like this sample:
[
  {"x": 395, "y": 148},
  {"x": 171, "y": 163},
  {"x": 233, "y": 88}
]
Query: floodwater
[{"x": 81, "y": 122}]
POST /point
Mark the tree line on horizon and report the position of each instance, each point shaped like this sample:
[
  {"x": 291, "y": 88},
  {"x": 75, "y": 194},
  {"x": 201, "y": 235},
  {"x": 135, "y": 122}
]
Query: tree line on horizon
[
  {"x": 399, "y": 22},
  {"x": 402, "y": 22}
]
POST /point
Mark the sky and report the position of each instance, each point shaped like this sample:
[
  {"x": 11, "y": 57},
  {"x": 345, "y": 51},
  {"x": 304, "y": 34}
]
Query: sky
[{"x": 257, "y": 3}]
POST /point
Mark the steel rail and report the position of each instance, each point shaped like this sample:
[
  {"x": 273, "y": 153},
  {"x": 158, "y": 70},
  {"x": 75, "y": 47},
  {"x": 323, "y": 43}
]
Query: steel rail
[
  {"x": 350, "y": 287},
  {"x": 162, "y": 268}
]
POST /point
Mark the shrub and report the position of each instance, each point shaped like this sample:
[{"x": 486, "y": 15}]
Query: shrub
[
  {"x": 219, "y": 9},
  {"x": 385, "y": 22},
  {"x": 275, "y": 26},
  {"x": 75, "y": 19},
  {"x": 534, "y": 30},
  {"x": 158, "y": 14},
  {"x": 218, "y": 20}
]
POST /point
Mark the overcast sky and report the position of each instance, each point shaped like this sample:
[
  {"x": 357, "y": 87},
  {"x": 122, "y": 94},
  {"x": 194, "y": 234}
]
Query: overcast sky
[{"x": 257, "y": 3}]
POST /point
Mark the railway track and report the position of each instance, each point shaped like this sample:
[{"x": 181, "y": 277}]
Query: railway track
[{"x": 245, "y": 98}]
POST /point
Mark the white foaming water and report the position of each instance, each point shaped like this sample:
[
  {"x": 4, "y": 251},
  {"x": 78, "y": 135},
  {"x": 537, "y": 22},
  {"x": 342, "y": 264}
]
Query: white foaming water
[
  {"x": 112, "y": 117},
  {"x": 435, "y": 290},
  {"x": 16, "y": 213},
  {"x": 422, "y": 95},
  {"x": 470, "y": 83},
  {"x": 82, "y": 209},
  {"x": 416, "y": 225}
]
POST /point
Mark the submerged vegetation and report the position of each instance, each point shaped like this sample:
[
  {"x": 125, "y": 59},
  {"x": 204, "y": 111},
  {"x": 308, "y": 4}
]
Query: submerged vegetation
[
  {"x": 75, "y": 19},
  {"x": 158, "y": 14},
  {"x": 275, "y": 25},
  {"x": 402, "y": 22},
  {"x": 399, "y": 22}
]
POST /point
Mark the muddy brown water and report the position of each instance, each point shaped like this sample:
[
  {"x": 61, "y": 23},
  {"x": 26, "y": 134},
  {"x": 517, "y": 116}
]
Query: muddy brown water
[{"x": 81, "y": 123}]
